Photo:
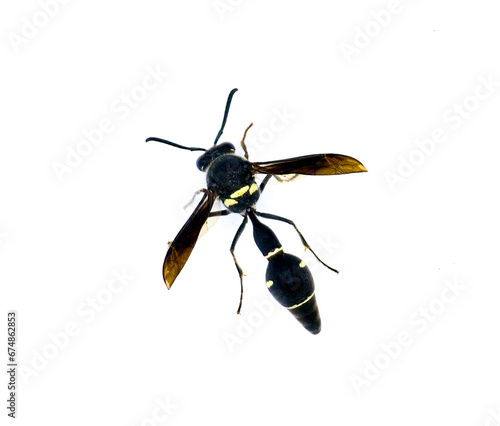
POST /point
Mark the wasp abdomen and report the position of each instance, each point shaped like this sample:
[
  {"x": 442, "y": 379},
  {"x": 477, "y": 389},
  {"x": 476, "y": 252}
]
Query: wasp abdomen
[
  {"x": 290, "y": 282},
  {"x": 288, "y": 278}
]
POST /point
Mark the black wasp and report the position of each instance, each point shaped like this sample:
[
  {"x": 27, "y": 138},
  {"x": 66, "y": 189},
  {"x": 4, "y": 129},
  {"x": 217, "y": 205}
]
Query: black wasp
[{"x": 232, "y": 179}]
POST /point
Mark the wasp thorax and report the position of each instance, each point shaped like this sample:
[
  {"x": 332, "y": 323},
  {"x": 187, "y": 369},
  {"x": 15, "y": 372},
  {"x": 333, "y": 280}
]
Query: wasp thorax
[
  {"x": 211, "y": 154},
  {"x": 230, "y": 177}
]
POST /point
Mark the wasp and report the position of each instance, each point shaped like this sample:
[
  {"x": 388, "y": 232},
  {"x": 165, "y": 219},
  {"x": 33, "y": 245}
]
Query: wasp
[{"x": 231, "y": 178}]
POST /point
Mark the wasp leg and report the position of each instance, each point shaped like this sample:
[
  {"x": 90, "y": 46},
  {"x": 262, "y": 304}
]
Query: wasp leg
[
  {"x": 194, "y": 196},
  {"x": 264, "y": 183},
  {"x": 233, "y": 246},
  {"x": 278, "y": 178},
  {"x": 304, "y": 242},
  {"x": 219, "y": 213},
  {"x": 285, "y": 179},
  {"x": 243, "y": 141}
]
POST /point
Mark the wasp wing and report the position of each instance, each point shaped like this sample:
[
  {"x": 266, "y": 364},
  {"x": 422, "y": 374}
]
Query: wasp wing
[
  {"x": 180, "y": 249},
  {"x": 316, "y": 164}
]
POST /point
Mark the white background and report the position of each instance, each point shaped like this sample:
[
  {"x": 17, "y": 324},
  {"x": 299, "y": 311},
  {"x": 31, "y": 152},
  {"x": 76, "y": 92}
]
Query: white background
[{"x": 397, "y": 246}]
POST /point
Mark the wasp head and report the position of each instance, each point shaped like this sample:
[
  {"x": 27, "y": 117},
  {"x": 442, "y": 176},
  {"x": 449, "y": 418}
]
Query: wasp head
[{"x": 211, "y": 154}]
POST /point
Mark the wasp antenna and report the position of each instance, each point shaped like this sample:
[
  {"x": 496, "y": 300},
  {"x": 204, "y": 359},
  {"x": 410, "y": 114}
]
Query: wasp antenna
[
  {"x": 174, "y": 144},
  {"x": 226, "y": 112}
]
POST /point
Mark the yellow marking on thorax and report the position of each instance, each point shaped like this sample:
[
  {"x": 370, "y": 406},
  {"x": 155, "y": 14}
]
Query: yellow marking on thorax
[
  {"x": 302, "y": 264},
  {"x": 253, "y": 188},
  {"x": 228, "y": 202},
  {"x": 269, "y": 283},
  {"x": 240, "y": 192},
  {"x": 301, "y": 303}
]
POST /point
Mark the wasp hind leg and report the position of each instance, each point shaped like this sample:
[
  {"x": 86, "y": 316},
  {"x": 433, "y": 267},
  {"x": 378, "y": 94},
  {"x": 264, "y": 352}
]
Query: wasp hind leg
[{"x": 304, "y": 242}]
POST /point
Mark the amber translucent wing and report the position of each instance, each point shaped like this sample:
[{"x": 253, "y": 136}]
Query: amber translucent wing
[
  {"x": 317, "y": 164},
  {"x": 180, "y": 249}
]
